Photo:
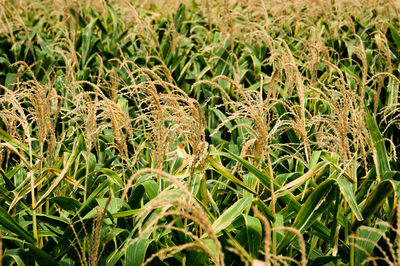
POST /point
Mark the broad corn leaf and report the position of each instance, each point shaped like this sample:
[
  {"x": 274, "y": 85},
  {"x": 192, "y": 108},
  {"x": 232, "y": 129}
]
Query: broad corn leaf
[
  {"x": 347, "y": 192},
  {"x": 231, "y": 214},
  {"x": 136, "y": 252},
  {"x": 8, "y": 222}
]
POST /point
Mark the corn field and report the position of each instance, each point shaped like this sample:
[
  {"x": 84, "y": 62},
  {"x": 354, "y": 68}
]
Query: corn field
[{"x": 202, "y": 132}]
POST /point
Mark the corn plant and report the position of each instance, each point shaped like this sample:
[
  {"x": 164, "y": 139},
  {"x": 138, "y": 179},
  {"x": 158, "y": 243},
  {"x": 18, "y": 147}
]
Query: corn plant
[{"x": 199, "y": 132}]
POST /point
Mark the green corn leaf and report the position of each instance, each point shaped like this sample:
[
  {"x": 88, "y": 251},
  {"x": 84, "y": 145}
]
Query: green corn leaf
[
  {"x": 264, "y": 178},
  {"x": 179, "y": 17},
  {"x": 228, "y": 175},
  {"x": 395, "y": 35},
  {"x": 256, "y": 64},
  {"x": 197, "y": 258},
  {"x": 293, "y": 138},
  {"x": 18, "y": 145},
  {"x": 114, "y": 206},
  {"x": 52, "y": 220},
  {"x": 113, "y": 176},
  {"x": 254, "y": 234},
  {"x": 334, "y": 163},
  {"x": 130, "y": 213},
  {"x": 325, "y": 260},
  {"x": 10, "y": 186},
  {"x": 181, "y": 59},
  {"x": 347, "y": 192},
  {"x": 264, "y": 208},
  {"x": 211, "y": 245},
  {"x": 136, "y": 196},
  {"x": 10, "y": 79},
  {"x": 66, "y": 203},
  {"x": 115, "y": 256},
  {"x": 8, "y": 222},
  {"x": 381, "y": 158},
  {"x": 366, "y": 242},
  {"x": 63, "y": 244},
  {"x": 231, "y": 214},
  {"x": 136, "y": 252},
  {"x": 85, "y": 207},
  {"x": 392, "y": 93},
  {"x": 183, "y": 70},
  {"x": 251, "y": 181},
  {"x": 74, "y": 154},
  {"x": 375, "y": 201},
  {"x": 41, "y": 257},
  {"x": 315, "y": 204},
  {"x": 300, "y": 180},
  {"x": 222, "y": 117},
  {"x": 314, "y": 159},
  {"x": 12, "y": 259},
  {"x": 151, "y": 188},
  {"x": 166, "y": 46}
]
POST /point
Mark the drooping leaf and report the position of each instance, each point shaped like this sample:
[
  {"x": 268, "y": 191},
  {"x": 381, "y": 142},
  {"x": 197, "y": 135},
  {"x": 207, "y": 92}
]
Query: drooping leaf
[
  {"x": 113, "y": 176},
  {"x": 136, "y": 252},
  {"x": 66, "y": 203},
  {"x": 374, "y": 201},
  {"x": 366, "y": 241}
]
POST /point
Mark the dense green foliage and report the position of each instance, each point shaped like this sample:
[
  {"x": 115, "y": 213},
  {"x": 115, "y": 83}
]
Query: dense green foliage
[{"x": 199, "y": 133}]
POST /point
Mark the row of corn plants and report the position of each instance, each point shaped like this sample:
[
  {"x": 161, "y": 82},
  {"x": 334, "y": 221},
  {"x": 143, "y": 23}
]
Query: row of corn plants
[{"x": 199, "y": 132}]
